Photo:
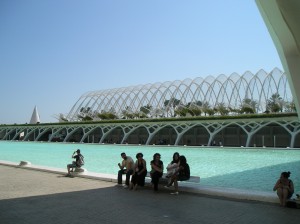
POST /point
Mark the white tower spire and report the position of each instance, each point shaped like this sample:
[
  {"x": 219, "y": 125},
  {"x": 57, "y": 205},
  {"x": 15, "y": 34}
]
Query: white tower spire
[{"x": 35, "y": 118}]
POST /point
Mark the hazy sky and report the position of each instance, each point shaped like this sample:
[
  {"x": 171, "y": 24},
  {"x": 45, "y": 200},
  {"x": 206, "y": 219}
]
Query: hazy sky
[{"x": 52, "y": 52}]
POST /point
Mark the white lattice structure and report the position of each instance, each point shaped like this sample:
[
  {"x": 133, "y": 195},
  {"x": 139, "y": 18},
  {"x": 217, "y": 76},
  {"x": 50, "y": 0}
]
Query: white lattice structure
[{"x": 229, "y": 91}]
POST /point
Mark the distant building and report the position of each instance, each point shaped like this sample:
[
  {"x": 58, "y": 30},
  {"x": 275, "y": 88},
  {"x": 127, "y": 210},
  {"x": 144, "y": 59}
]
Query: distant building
[
  {"x": 168, "y": 99},
  {"x": 35, "y": 118}
]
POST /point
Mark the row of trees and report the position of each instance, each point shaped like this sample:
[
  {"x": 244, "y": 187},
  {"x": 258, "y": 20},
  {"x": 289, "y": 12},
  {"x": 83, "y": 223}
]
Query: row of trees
[{"x": 175, "y": 108}]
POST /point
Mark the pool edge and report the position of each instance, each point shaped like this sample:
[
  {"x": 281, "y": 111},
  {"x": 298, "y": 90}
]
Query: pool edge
[{"x": 260, "y": 196}]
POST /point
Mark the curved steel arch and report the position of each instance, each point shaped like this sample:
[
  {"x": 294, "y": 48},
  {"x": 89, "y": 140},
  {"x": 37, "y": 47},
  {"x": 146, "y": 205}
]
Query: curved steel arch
[{"x": 230, "y": 90}]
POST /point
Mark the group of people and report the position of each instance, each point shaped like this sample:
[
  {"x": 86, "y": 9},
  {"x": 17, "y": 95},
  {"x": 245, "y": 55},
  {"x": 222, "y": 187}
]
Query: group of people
[{"x": 177, "y": 170}]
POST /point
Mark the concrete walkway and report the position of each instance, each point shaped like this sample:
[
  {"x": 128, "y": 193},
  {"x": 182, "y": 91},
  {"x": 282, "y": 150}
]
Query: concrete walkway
[{"x": 30, "y": 196}]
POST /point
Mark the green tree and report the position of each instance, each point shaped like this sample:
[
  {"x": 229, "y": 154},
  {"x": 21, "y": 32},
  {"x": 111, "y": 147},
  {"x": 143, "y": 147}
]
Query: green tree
[
  {"x": 181, "y": 111},
  {"x": 275, "y": 103},
  {"x": 234, "y": 110},
  {"x": 194, "y": 108},
  {"x": 290, "y": 107},
  {"x": 222, "y": 109},
  {"x": 146, "y": 109},
  {"x": 128, "y": 113},
  {"x": 206, "y": 109},
  {"x": 107, "y": 116},
  {"x": 170, "y": 106},
  {"x": 85, "y": 118},
  {"x": 248, "y": 106}
]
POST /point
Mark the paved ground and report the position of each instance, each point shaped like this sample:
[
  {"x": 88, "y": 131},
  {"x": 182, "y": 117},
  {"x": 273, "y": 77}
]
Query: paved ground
[{"x": 29, "y": 196}]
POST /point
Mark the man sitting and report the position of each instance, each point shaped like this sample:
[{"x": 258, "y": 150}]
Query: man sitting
[
  {"x": 79, "y": 162},
  {"x": 128, "y": 164}
]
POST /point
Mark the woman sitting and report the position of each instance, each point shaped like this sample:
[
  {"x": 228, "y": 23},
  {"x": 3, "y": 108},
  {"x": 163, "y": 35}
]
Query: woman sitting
[
  {"x": 284, "y": 187},
  {"x": 171, "y": 168},
  {"x": 182, "y": 173},
  {"x": 139, "y": 172},
  {"x": 157, "y": 168}
]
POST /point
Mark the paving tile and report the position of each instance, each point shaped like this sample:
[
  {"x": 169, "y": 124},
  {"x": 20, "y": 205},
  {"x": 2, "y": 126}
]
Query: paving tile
[{"x": 30, "y": 196}]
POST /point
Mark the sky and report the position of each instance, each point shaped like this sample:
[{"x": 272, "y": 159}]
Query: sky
[{"x": 52, "y": 52}]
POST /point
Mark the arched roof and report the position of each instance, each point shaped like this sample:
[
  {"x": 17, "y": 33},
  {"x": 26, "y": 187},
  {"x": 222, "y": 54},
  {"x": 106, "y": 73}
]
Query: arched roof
[{"x": 161, "y": 99}]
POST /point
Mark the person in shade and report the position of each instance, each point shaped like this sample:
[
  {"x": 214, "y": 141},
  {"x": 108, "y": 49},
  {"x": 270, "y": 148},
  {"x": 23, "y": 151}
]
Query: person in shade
[
  {"x": 284, "y": 187},
  {"x": 139, "y": 172},
  {"x": 182, "y": 173},
  {"x": 125, "y": 168},
  {"x": 79, "y": 161},
  {"x": 157, "y": 168},
  {"x": 171, "y": 168}
]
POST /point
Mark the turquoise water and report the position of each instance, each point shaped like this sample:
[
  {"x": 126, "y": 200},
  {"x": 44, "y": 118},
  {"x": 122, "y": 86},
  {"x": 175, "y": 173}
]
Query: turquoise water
[{"x": 241, "y": 168}]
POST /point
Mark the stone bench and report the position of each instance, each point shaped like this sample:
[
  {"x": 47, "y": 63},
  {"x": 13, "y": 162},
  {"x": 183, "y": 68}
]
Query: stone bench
[{"x": 164, "y": 179}]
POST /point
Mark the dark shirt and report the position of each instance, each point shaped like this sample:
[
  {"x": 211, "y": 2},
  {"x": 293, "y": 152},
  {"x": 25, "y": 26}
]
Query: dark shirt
[
  {"x": 140, "y": 166},
  {"x": 184, "y": 174},
  {"x": 76, "y": 157},
  {"x": 160, "y": 163}
]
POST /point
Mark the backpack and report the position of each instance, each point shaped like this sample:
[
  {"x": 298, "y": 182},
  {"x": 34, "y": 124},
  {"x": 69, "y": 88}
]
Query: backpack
[{"x": 80, "y": 161}]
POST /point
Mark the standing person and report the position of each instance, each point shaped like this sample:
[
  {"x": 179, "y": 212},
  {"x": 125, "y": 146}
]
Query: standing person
[
  {"x": 127, "y": 163},
  {"x": 79, "y": 162},
  {"x": 182, "y": 173},
  {"x": 284, "y": 187},
  {"x": 139, "y": 172},
  {"x": 157, "y": 167}
]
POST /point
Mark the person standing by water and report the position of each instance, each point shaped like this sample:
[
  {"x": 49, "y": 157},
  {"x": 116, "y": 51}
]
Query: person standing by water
[
  {"x": 139, "y": 172},
  {"x": 128, "y": 164},
  {"x": 284, "y": 187},
  {"x": 157, "y": 167},
  {"x": 79, "y": 162}
]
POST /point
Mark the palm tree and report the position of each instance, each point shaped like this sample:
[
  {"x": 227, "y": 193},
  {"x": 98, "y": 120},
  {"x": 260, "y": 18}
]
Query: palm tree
[
  {"x": 172, "y": 103},
  {"x": 290, "y": 106},
  {"x": 248, "y": 106},
  {"x": 181, "y": 111},
  {"x": 221, "y": 108},
  {"x": 127, "y": 113},
  {"x": 146, "y": 109},
  {"x": 206, "y": 109},
  {"x": 194, "y": 108},
  {"x": 275, "y": 103}
]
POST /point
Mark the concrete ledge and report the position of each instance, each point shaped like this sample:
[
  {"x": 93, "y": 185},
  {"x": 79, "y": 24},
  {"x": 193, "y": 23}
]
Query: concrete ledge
[
  {"x": 164, "y": 179},
  {"x": 230, "y": 193}
]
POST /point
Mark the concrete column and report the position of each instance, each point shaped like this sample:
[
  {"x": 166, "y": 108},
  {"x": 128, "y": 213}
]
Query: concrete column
[{"x": 282, "y": 20}]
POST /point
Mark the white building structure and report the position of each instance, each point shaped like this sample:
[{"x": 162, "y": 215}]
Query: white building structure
[{"x": 35, "y": 117}]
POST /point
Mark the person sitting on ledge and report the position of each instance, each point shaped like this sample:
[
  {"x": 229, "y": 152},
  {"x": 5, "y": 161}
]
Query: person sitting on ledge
[
  {"x": 157, "y": 168},
  {"x": 182, "y": 173},
  {"x": 284, "y": 187},
  {"x": 79, "y": 162},
  {"x": 139, "y": 172},
  {"x": 125, "y": 168},
  {"x": 172, "y": 167}
]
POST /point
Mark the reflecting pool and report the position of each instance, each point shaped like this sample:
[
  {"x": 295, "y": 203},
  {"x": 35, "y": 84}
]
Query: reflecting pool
[{"x": 242, "y": 168}]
